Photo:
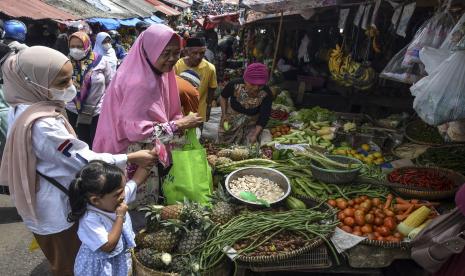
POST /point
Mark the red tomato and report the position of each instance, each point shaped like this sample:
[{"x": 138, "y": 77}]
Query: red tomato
[
  {"x": 332, "y": 202},
  {"x": 383, "y": 231},
  {"x": 378, "y": 221},
  {"x": 346, "y": 228},
  {"x": 349, "y": 212},
  {"x": 367, "y": 228},
  {"x": 349, "y": 221},
  {"x": 369, "y": 218},
  {"x": 376, "y": 201},
  {"x": 390, "y": 223},
  {"x": 360, "y": 220}
]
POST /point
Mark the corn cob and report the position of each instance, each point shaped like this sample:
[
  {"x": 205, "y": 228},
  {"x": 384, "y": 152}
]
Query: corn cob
[
  {"x": 417, "y": 230},
  {"x": 414, "y": 220}
]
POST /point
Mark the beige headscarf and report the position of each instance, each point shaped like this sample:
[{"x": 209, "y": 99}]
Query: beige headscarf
[{"x": 39, "y": 65}]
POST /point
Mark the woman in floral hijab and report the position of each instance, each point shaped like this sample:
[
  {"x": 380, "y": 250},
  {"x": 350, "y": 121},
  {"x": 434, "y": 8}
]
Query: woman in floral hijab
[{"x": 91, "y": 76}]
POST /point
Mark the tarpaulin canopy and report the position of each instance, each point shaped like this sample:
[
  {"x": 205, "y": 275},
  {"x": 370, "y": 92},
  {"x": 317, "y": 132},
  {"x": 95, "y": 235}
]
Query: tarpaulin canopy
[
  {"x": 177, "y": 3},
  {"x": 110, "y": 8},
  {"x": 34, "y": 9},
  {"x": 138, "y": 7},
  {"x": 107, "y": 23},
  {"x": 154, "y": 19},
  {"x": 129, "y": 22},
  {"x": 163, "y": 8},
  {"x": 277, "y": 6},
  {"x": 211, "y": 21},
  {"x": 79, "y": 8}
]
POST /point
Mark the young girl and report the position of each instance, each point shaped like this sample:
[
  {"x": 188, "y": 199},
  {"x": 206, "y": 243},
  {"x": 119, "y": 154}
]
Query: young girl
[{"x": 98, "y": 198}]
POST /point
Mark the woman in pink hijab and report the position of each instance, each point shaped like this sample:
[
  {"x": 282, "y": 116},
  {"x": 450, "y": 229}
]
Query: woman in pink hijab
[{"x": 142, "y": 108}]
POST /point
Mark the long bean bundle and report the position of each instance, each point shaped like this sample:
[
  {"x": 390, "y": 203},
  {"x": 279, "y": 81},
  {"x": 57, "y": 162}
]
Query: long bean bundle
[{"x": 310, "y": 223}]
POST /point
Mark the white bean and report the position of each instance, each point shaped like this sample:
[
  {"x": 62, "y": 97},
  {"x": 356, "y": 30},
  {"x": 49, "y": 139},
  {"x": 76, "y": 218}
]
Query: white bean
[{"x": 263, "y": 188}]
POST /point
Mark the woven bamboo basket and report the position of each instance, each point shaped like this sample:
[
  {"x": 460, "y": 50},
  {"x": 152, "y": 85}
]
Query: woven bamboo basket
[
  {"x": 456, "y": 177},
  {"x": 139, "y": 269},
  {"x": 313, "y": 243},
  {"x": 386, "y": 244}
]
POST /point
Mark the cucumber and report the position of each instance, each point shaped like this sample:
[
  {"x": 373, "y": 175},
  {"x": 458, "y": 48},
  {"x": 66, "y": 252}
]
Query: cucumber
[{"x": 294, "y": 203}]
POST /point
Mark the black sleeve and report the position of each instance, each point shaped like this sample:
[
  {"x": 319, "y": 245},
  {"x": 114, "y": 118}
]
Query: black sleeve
[
  {"x": 228, "y": 90},
  {"x": 265, "y": 111}
]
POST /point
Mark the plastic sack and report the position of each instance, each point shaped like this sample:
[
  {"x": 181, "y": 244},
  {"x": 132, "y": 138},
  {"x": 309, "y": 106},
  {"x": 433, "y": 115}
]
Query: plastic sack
[
  {"x": 432, "y": 33},
  {"x": 190, "y": 176},
  {"x": 440, "y": 97},
  {"x": 455, "y": 35}
]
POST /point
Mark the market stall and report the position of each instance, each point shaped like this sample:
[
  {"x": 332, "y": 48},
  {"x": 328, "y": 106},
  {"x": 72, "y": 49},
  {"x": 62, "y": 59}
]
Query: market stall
[
  {"x": 285, "y": 205},
  {"x": 322, "y": 190}
]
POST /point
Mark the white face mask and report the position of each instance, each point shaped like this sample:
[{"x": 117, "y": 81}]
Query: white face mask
[
  {"x": 65, "y": 95},
  {"x": 106, "y": 46},
  {"x": 77, "y": 54}
]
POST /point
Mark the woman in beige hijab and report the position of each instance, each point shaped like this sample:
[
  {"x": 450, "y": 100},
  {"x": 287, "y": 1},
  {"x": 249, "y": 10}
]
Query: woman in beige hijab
[{"x": 42, "y": 154}]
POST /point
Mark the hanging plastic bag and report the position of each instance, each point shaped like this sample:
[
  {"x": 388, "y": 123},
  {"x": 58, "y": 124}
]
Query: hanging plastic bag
[
  {"x": 440, "y": 97},
  {"x": 455, "y": 35},
  {"x": 432, "y": 58},
  {"x": 406, "y": 65},
  {"x": 190, "y": 176},
  {"x": 432, "y": 34},
  {"x": 395, "y": 72}
]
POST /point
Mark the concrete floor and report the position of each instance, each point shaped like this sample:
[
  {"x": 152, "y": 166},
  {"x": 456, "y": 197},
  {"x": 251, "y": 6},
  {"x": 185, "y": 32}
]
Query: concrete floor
[{"x": 15, "y": 257}]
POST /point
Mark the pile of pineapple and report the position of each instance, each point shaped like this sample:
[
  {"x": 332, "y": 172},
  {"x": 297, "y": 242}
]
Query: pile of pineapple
[
  {"x": 226, "y": 156},
  {"x": 174, "y": 233}
]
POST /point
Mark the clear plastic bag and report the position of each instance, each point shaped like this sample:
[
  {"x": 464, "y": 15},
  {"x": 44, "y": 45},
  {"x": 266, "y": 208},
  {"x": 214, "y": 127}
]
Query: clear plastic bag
[
  {"x": 440, "y": 97},
  {"x": 394, "y": 70},
  {"x": 406, "y": 66},
  {"x": 455, "y": 36},
  {"x": 432, "y": 34},
  {"x": 432, "y": 58}
]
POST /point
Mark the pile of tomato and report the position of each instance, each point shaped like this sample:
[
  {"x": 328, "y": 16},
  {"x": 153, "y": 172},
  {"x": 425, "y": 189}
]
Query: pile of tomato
[{"x": 368, "y": 217}]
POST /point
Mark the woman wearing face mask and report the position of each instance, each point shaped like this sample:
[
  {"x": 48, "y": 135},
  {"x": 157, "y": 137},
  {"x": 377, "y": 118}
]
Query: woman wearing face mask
[
  {"x": 103, "y": 47},
  {"x": 245, "y": 106},
  {"x": 142, "y": 108},
  {"x": 91, "y": 75},
  {"x": 42, "y": 153}
]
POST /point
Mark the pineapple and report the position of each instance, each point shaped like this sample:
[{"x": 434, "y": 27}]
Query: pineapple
[
  {"x": 163, "y": 240},
  {"x": 140, "y": 239},
  {"x": 171, "y": 212},
  {"x": 222, "y": 161},
  {"x": 190, "y": 241},
  {"x": 212, "y": 160},
  {"x": 179, "y": 264},
  {"x": 152, "y": 216},
  {"x": 239, "y": 154},
  {"x": 222, "y": 209},
  {"x": 224, "y": 153},
  {"x": 184, "y": 265},
  {"x": 194, "y": 215},
  {"x": 154, "y": 260}
]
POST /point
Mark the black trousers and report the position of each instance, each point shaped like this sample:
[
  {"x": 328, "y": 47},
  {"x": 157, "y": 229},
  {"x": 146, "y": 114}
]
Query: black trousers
[{"x": 85, "y": 133}]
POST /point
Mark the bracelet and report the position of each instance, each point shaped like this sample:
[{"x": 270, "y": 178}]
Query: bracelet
[{"x": 120, "y": 216}]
